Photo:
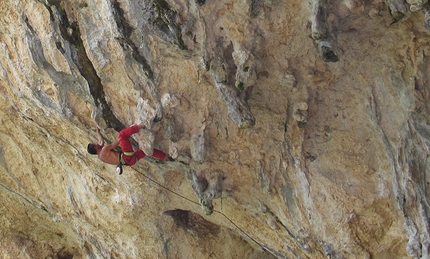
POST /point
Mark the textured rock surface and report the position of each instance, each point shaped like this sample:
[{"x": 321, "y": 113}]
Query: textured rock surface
[{"x": 302, "y": 128}]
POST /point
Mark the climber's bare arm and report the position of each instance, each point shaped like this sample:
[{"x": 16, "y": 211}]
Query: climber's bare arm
[
  {"x": 100, "y": 139},
  {"x": 111, "y": 146}
]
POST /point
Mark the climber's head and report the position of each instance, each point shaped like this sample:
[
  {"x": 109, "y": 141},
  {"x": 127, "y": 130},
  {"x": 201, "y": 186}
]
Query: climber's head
[{"x": 93, "y": 148}]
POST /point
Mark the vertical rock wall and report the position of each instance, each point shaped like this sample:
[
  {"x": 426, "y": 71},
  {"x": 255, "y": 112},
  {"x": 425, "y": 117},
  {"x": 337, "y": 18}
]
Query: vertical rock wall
[{"x": 300, "y": 128}]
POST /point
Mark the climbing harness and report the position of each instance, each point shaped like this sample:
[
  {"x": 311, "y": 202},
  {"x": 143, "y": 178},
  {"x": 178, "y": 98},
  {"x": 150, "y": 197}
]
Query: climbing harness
[{"x": 122, "y": 162}]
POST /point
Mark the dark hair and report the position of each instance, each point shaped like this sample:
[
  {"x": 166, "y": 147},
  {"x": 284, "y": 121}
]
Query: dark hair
[{"x": 92, "y": 149}]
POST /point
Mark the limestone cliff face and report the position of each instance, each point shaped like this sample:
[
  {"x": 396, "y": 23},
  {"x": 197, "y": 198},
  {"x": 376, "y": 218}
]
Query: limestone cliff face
[{"x": 300, "y": 128}]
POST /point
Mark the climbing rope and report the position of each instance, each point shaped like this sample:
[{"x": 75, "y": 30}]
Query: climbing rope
[
  {"x": 164, "y": 187},
  {"x": 216, "y": 211}
]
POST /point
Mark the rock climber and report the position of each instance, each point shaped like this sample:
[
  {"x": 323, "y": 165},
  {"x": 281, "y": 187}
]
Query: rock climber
[{"x": 128, "y": 156}]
